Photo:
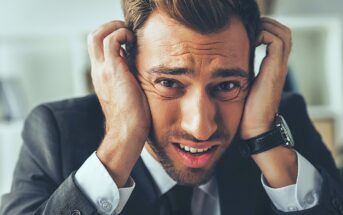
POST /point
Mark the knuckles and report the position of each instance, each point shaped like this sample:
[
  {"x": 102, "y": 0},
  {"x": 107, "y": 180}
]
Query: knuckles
[
  {"x": 279, "y": 42},
  {"x": 288, "y": 34},
  {"x": 107, "y": 75},
  {"x": 93, "y": 37},
  {"x": 103, "y": 73},
  {"x": 96, "y": 36},
  {"x": 288, "y": 37},
  {"x": 107, "y": 42}
]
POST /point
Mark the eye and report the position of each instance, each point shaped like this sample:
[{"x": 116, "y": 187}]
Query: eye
[
  {"x": 227, "y": 90},
  {"x": 227, "y": 86},
  {"x": 169, "y": 83},
  {"x": 169, "y": 88}
]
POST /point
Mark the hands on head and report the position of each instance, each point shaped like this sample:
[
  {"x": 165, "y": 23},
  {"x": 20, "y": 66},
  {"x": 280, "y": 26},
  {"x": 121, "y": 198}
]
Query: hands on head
[
  {"x": 278, "y": 165},
  {"x": 127, "y": 113}
]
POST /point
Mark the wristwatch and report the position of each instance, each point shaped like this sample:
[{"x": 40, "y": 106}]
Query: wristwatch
[{"x": 280, "y": 135}]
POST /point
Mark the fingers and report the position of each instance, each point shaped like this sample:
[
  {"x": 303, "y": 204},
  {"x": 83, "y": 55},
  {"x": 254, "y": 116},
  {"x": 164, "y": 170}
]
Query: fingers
[
  {"x": 274, "y": 44},
  {"x": 277, "y": 37},
  {"x": 280, "y": 31},
  {"x": 107, "y": 56},
  {"x": 112, "y": 44},
  {"x": 95, "y": 39}
]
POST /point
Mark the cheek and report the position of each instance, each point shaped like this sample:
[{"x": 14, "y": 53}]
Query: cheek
[
  {"x": 230, "y": 114},
  {"x": 164, "y": 114}
]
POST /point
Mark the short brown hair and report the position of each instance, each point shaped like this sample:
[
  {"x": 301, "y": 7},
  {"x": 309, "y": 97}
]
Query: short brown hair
[{"x": 204, "y": 16}]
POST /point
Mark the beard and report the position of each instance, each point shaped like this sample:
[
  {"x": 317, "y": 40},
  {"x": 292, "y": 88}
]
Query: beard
[{"x": 184, "y": 176}]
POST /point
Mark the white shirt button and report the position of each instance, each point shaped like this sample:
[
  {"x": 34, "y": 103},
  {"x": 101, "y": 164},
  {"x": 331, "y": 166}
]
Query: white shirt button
[
  {"x": 292, "y": 208},
  {"x": 105, "y": 205}
]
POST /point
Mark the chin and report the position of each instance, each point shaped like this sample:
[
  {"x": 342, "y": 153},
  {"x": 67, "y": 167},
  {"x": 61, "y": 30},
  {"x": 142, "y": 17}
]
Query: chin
[
  {"x": 182, "y": 174},
  {"x": 191, "y": 177}
]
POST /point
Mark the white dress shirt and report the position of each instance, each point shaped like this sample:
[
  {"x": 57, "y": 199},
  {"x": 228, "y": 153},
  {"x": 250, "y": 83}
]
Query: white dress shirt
[{"x": 96, "y": 183}]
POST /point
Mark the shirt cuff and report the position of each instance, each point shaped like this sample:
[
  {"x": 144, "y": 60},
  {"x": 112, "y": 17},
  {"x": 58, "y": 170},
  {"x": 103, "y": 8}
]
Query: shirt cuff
[
  {"x": 300, "y": 196},
  {"x": 96, "y": 183}
]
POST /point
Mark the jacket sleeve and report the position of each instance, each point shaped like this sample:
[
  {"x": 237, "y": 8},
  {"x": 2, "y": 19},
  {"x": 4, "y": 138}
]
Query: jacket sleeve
[
  {"x": 310, "y": 145},
  {"x": 38, "y": 186}
]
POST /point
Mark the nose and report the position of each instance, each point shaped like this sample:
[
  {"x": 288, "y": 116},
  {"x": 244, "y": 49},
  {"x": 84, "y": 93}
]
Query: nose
[{"x": 198, "y": 116}]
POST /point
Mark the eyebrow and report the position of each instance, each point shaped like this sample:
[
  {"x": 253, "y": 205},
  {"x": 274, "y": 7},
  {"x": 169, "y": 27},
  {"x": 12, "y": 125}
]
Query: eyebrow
[
  {"x": 223, "y": 73},
  {"x": 170, "y": 71},
  {"x": 220, "y": 73}
]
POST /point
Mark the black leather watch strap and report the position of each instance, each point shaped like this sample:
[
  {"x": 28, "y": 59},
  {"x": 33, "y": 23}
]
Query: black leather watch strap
[{"x": 261, "y": 143}]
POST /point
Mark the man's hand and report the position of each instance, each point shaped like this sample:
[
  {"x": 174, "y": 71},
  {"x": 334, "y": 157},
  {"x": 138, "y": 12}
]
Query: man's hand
[
  {"x": 127, "y": 115},
  {"x": 278, "y": 165}
]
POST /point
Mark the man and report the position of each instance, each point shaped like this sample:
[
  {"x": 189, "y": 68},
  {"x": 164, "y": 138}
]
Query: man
[{"x": 188, "y": 128}]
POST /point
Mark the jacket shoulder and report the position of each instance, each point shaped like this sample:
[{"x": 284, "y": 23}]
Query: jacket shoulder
[
  {"x": 86, "y": 103},
  {"x": 72, "y": 128},
  {"x": 291, "y": 101}
]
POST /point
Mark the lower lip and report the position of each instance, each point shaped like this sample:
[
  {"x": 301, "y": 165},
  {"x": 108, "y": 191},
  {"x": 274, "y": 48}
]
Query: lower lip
[{"x": 194, "y": 161}]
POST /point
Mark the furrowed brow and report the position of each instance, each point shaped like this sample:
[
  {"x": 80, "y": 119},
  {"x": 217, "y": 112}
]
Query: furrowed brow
[
  {"x": 170, "y": 71},
  {"x": 223, "y": 73}
]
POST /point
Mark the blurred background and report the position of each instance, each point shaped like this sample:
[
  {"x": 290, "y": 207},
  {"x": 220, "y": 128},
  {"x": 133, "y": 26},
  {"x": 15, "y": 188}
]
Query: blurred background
[{"x": 43, "y": 57}]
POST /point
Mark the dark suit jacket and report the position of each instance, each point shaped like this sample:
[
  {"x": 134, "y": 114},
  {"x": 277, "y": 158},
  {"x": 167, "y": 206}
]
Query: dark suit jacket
[{"x": 59, "y": 137}]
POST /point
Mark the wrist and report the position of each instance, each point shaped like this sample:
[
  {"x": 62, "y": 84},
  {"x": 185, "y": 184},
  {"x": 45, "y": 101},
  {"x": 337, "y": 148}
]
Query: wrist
[
  {"x": 254, "y": 129},
  {"x": 253, "y": 132},
  {"x": 119, "y": 155},
  {"x": 270, "y": 147},
  {"x": 279, "y": 166}
]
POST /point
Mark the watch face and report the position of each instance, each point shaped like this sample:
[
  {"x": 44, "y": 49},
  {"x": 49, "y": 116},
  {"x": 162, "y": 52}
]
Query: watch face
[{"x": 285, "y": 131}]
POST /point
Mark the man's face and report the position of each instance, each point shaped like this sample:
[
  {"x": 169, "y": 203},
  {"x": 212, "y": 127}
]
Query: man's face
[{"x": 196, "y": 86}]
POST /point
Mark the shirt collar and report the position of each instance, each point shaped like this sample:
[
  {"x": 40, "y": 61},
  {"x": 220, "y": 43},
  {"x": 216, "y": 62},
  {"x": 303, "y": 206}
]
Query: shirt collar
[{"x": 164, "y": 182}]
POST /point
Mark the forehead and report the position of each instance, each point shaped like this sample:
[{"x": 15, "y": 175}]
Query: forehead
[{"x": 165, "y": 42}]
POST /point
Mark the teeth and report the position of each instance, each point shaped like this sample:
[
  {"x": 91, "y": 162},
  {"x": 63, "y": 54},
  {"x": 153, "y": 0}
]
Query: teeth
[{"x": 193, "y": 150}]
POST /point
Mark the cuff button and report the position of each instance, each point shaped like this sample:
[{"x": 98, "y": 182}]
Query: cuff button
[
  {"x": 75, "y": 212},
  {"x": 105, "y": 205},
  {"x": 292, "y": 208}
]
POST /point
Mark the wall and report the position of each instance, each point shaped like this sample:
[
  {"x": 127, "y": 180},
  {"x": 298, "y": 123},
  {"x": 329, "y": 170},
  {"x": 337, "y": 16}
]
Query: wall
[
  {"x": 35, "y": 46},
  {"x": 73, "y": 15}
]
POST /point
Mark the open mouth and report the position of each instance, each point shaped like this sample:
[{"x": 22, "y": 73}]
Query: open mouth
[
  {"x": 194, "y": 157},
  {"x": 194, "y": 151}
]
